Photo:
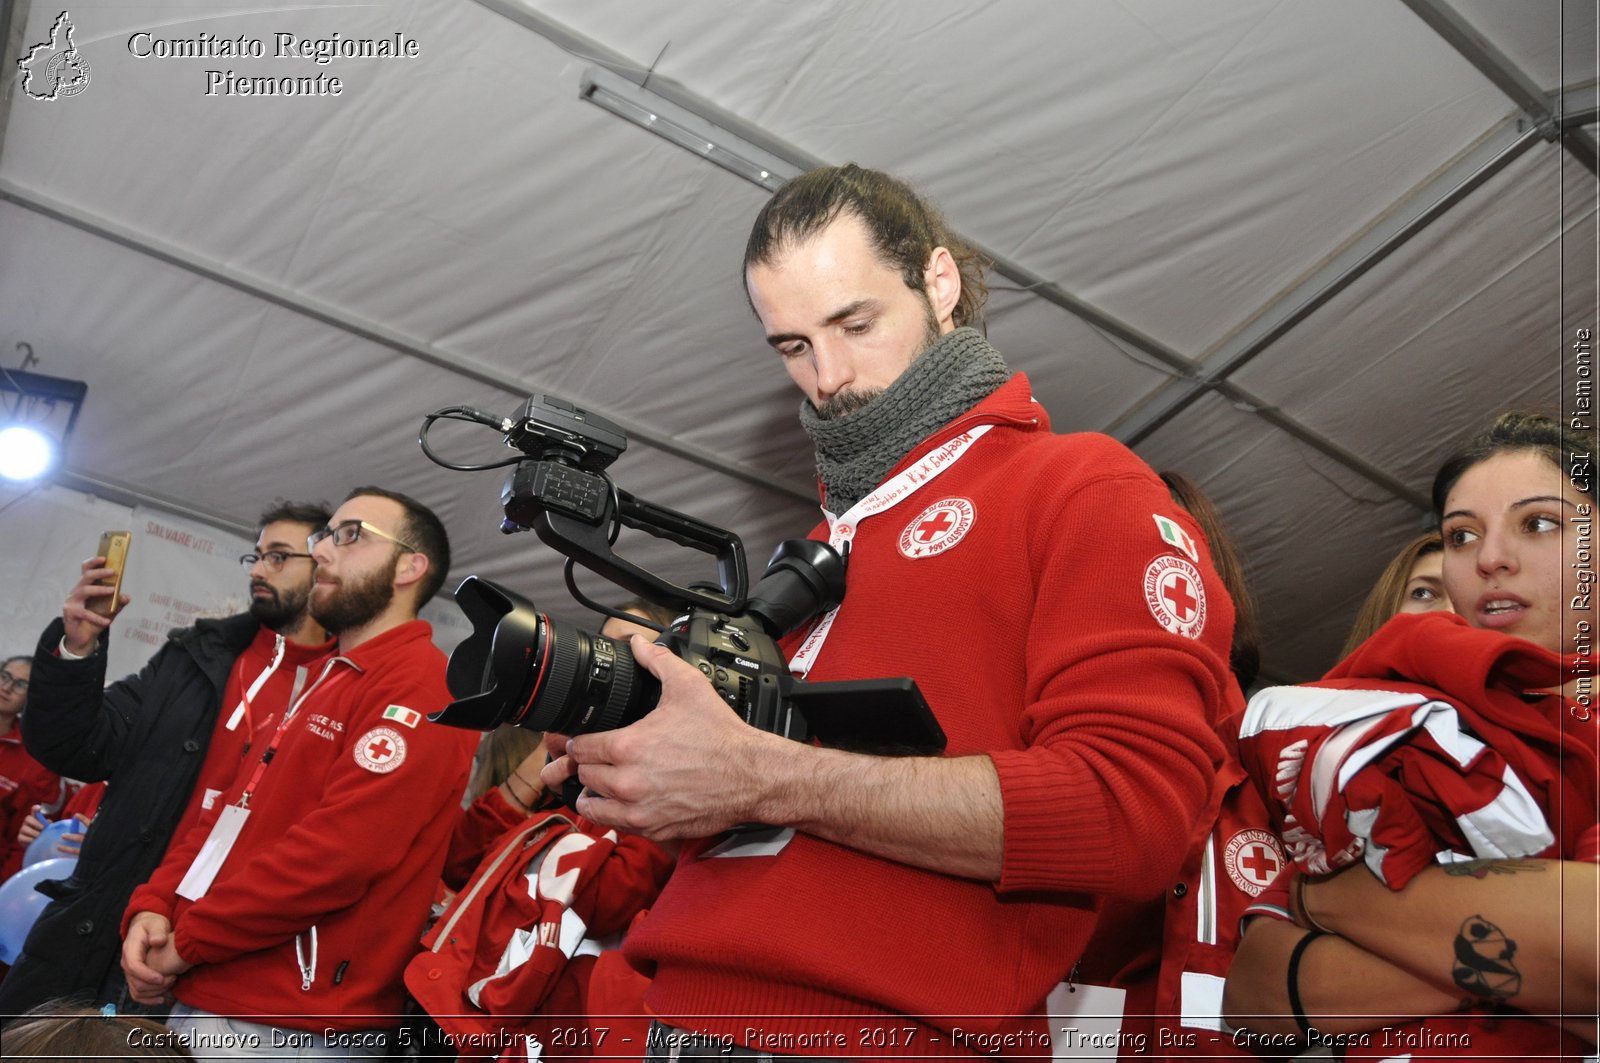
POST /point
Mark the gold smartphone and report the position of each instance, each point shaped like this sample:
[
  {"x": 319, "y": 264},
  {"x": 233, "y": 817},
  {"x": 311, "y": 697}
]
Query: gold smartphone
[{"x": 114, "y": 548}]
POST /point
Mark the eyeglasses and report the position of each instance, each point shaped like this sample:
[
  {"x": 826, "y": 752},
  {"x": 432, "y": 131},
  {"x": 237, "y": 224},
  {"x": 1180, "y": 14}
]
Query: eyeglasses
[
  {"x": 275, "y": 559},
  {"x": 9, "y": 680},
  {"x": 349, "y": 531}
]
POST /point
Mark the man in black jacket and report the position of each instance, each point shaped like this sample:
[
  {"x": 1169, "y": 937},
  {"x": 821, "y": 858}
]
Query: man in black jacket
[{"x": 147, "y": 735}]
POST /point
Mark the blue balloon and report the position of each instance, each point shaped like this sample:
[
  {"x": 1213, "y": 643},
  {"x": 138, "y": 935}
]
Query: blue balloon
[
  {"x": 44, "y": 846},
  {"x": 20, "y": 903}
]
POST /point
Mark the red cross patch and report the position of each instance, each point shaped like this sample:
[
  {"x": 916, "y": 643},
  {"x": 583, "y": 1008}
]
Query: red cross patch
[
  {"x": 1254, "y": 858},
  {"x": 1175, "y": 595},
  {"x": 938, "y": 528},
  {"x": 381, "y": 750}
]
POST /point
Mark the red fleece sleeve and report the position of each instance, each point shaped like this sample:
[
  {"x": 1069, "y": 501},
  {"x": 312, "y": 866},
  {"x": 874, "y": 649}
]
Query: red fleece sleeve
[
  {"x": 36, "y": 785},
  {"x": 160, "y": 893},
  {"x": 628, "y": 882},
  {"x": 485, "y": 819},
  {"x": 1124, "y": 686}
]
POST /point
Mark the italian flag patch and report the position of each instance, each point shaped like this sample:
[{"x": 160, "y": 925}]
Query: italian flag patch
[
  {"x": 1173, "y": 534},
  {"x": 401, "y": 714}
]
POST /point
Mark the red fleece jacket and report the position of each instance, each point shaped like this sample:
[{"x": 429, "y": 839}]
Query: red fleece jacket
[
  {"x": 341, "y": 852},
  {"x": 1033, "y": 610}
]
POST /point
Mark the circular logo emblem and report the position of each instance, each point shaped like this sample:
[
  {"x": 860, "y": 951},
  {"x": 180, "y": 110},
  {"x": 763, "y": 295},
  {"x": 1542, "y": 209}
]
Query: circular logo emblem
[
  {"x": 381, "y": 750},
  {"x": 67, "y": 74},
  {"x": 1253, "y": 858},
  {"x": 1176, "y": 598},
  {"x": 938, "y": 528}
]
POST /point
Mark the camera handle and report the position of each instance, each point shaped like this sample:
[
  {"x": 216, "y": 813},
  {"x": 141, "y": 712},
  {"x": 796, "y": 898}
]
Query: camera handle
[
  {"x": 576, "y": 511},
  {"x": 590, "y": 546}
]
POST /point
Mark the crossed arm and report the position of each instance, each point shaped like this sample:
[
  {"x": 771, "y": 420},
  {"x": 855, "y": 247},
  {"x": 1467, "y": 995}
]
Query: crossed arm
[
  {"x": 1520, "y": 932},
  {"x": 1516, "y": 932}
]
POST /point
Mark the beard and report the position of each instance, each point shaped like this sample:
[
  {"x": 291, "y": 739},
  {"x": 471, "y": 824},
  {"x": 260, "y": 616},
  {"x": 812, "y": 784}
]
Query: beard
[
  {"x": 352, "y": 603},
  {"x": 282, "y": 609},
  {"x": 845, "y": 403}
]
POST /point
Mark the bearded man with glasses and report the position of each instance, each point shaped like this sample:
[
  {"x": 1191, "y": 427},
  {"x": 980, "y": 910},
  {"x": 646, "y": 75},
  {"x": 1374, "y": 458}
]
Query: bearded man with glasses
[
  {"x": 200, "y": 701},
  {"x": 287, "y": 913}
]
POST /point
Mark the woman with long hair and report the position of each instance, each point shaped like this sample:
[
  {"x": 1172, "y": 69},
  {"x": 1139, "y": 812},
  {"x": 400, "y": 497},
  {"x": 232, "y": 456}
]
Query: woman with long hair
[{"x": 1390, "y": 936}]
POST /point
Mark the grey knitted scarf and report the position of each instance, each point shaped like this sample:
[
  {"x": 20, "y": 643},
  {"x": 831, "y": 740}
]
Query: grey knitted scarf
[{"x": 855, "y": 452}]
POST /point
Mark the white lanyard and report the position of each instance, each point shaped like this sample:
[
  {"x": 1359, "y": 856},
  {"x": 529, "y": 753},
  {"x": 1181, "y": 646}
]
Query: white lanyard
[
  {"x": 231, "y": 820},
  {"x": 242, "y": 710},
  {"x": 841, "y": 530}
]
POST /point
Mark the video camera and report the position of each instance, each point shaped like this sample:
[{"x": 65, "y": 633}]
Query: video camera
[{"x": 521, "y": 666}]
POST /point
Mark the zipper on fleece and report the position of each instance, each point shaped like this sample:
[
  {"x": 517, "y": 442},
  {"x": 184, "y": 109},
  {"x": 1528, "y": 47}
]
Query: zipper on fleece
[{"x": 308, "y": 971}]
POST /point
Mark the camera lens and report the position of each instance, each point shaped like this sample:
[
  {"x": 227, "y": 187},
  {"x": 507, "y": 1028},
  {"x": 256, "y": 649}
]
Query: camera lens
[
  {"x": 585, "y": 683},
  {"x": 519, "y": 666}
]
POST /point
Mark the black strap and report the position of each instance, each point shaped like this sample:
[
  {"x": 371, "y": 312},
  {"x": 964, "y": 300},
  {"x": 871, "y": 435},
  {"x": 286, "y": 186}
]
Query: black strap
[{"x": 1294, "y": 980}]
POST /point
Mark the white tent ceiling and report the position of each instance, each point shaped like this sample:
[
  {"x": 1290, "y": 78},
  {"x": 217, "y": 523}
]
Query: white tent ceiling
[{"x": 1291, "y": 247}]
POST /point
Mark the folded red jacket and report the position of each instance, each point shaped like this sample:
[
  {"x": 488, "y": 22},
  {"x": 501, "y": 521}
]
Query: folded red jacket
[{"x": 1424, "y": 746}]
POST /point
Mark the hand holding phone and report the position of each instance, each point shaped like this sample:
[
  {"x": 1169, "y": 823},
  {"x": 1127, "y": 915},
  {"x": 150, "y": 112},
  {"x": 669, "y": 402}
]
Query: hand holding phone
[
  {"x": 114, "y": 548},
  {"x": 97, "y": 596}
]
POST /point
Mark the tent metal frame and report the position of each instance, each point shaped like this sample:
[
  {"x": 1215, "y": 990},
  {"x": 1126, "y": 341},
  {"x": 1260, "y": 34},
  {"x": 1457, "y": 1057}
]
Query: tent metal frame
[
  {"x": 1559, "y": 116},
  {"x": 1534, "y": 102},
  {"x": 1425, "y": 204},
  {"x": 372, "y": 331},
  {"x": 1547, "y": 115}
]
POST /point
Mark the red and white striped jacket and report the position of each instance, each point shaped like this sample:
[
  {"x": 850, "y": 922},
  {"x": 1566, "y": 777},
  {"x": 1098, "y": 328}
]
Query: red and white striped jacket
[
  {"x": 512, "y": 957},
  {"x": 1421, "y": 747}
]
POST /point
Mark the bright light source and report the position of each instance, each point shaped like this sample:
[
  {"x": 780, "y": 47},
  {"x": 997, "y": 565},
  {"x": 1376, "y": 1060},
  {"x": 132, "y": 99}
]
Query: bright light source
[
  {"x": 37, "y": 414},
  {"x": 25, "y": 453}
]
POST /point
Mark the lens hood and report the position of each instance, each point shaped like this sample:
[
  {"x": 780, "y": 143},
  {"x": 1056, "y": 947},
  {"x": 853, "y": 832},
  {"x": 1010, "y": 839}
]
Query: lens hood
[{"x": 491, "y": 670}]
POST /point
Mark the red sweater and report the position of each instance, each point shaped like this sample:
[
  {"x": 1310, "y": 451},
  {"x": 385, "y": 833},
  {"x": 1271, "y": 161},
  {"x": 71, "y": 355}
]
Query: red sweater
[
  {"x": 346, "y": 835},
  {"x": 85, "y": 801},
  {"x": 1025, "y": 609},
  {"x": 480, "y": 826},
  {"x": 24, "y": 782}
]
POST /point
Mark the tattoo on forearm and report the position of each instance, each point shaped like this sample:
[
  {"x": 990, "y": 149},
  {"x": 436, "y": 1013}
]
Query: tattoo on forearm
[
  {"x": 1483, "y": 961},
  {"x": 1481, "y": 869}
]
